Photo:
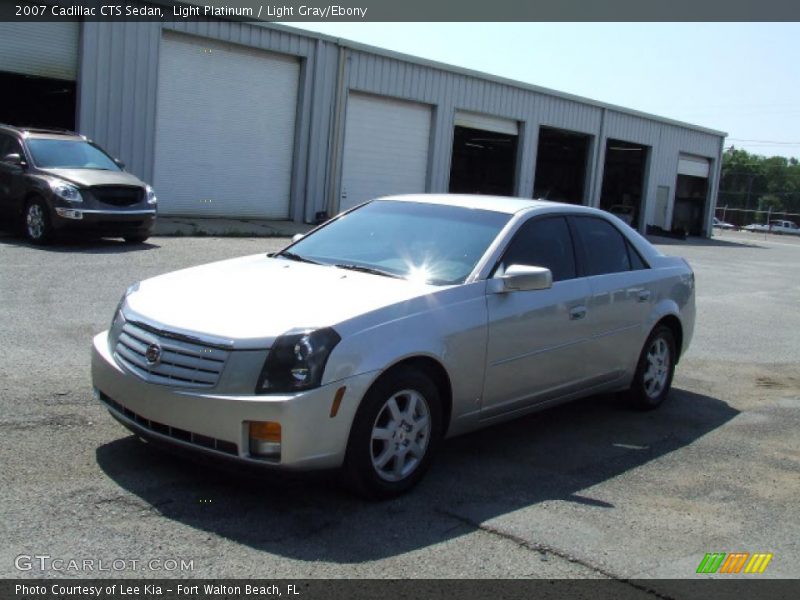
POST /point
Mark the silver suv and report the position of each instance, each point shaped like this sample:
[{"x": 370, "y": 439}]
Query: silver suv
[{"x": 54, "y": 181}]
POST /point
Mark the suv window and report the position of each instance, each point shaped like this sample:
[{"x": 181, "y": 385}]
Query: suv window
[
  {"x": 9, "y": 145},
  {"x": 605, "y": 250},
  {"x": 52, "y": 153},
  {"x": 543, "y": 242}
]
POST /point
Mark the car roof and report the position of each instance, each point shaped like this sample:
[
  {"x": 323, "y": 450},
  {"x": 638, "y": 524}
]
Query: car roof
[
  {"x": 513, "y": 206},
  {"x": 501, "y": 204},
  {"x": 42, "y": 132}
]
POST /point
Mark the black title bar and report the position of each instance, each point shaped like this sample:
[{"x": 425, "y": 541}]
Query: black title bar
[
  {"x": 733, "y": 588},
  {"x": 402, "y": 10}
]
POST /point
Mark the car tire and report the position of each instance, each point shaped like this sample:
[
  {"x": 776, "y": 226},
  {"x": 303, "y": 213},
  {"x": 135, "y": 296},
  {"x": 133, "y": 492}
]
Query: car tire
[
  {"x": 654, "y": 371},
  {"x": 136, "y": 239},
  {"x": 36, "y": 222},
  {"x": 395, "y": 434}
]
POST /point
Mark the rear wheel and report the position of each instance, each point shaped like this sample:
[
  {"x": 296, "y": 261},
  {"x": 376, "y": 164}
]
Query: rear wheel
[
  {"x": 395, "y": 434},
  {"x": 36, "y": 224},
  {"x": 653, "y": 378}
]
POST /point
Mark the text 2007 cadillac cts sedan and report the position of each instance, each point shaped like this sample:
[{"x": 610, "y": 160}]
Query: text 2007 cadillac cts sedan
[{"x": 403, "y": 321}]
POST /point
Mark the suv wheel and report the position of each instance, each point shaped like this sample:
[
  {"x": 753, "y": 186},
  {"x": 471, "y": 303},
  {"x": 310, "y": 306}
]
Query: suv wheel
[
  {"x": 395, "y": 434},
  {"x": 37, "y": 222},
  {"x": 136, "y": 239}
]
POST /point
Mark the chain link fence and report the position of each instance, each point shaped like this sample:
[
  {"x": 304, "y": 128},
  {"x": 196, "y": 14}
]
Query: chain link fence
[{"x": 740, "y": 217}]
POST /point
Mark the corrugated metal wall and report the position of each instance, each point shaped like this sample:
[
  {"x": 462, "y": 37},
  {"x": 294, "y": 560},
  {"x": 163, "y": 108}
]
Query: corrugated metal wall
[
  {"x": 118, "y": 99},
  {"x": 450, "y": 91},
  {"x": 118, "y": 79}
]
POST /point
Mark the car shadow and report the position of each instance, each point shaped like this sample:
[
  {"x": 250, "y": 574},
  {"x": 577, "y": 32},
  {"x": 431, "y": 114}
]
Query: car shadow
[
  {"x": 552, "y": 455},
  {"x": 73, "y": 245}
]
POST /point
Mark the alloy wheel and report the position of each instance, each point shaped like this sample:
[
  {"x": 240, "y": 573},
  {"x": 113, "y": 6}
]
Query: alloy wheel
[
  {"x": 658, "y": 364},
  {"x": 34, "y": 220},
  {"x": 400, "y": 435}
]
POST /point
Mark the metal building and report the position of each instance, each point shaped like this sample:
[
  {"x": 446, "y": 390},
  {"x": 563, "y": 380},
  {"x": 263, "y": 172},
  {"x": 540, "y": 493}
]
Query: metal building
[{"x": 260, "y": 120}]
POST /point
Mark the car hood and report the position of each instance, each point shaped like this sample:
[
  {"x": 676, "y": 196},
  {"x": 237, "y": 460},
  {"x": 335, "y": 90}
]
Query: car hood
[
  {"x": 90, "y": 177},
  {"x": 247, "y": 302}
]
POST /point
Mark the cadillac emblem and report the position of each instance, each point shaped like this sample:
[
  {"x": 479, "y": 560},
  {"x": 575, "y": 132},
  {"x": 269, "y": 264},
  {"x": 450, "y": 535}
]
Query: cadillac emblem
[{"x": 153, "y": 354}]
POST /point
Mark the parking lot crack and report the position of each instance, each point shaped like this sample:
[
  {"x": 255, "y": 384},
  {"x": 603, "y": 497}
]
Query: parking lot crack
[{"x": 545, "y": 549}]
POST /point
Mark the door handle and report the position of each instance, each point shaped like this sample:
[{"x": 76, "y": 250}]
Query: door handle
[
  {"x": 643, "y": 295},
  {"x": 577, "y": 312}
]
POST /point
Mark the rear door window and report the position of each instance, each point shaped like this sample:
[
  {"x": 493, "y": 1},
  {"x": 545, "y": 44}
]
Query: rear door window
[{"x": 605, "y": 249}]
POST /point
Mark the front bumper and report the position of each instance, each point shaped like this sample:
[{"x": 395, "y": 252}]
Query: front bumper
[
  {"x": 208, "y": 421},
  {"x": 109, "y": 222}
]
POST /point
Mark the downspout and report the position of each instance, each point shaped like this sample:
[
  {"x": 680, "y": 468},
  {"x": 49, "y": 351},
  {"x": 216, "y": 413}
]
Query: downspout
[
  {"x": 712, "y": 206},
  {"x": 332, "y": 205},
  {"x": 594, "y": 199}
]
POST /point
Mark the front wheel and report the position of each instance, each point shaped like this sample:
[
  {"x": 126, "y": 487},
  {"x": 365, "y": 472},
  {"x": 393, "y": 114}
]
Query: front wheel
[
  {"x": 395, "y": 434},
  {"x": 36, "y": 223},
  {"x": 655, "y": 369}
]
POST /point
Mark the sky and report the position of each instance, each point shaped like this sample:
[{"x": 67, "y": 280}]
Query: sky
[{"x": 740, "y": 78}]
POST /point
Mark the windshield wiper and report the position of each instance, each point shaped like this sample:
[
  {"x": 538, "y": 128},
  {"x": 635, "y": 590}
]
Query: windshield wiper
[
  {"x": 297, "y": 257},
  {"x": 371, "y": 270}
]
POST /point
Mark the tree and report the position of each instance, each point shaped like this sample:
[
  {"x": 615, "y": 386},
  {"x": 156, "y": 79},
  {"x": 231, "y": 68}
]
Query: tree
[
  {"x": 770, "y": 202},
  {"x": 752, "y": 181}
]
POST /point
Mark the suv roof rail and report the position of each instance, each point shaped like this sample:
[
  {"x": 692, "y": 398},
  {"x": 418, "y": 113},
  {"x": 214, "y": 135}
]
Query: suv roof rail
[
  {"x": 49, "y": 130},
  {"x": 35, "y": 129}
]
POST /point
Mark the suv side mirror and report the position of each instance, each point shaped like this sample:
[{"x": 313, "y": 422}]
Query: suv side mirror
[
  {"x": 119, "y": 163},
  {"x": 15, "y": 159},
  {"x": 522, "y": 278},
  {"x": 297, "y": 237}
]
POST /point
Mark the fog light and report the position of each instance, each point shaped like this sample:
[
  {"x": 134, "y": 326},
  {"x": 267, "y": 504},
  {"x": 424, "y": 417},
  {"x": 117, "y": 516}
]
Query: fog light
[
  {"x": 265, "y": 439},
  {"x": 69, "y": 213}
]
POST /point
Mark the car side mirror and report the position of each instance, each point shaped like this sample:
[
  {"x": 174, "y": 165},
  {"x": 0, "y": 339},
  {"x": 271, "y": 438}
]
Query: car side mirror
[
  {"x": 522, "y": 278},
  {"x": 15, "y": 159},
  {"x": 297, "y": 237},
  {"x": 119, "y": 163}
]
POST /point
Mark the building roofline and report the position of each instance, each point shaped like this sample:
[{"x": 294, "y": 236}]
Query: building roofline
[
  {"x": 425, "y": 62},
  {"x": 359, "y": 47}
]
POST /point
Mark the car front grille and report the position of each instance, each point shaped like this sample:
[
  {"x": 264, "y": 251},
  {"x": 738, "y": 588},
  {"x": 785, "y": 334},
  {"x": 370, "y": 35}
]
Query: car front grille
[
  {"x": 118, "y": 195},
  {"x": 173, "y": 432},
  {"x": 172, "y": 361}
]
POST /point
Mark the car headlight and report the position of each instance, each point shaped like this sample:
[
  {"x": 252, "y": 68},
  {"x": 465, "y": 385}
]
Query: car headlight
[
  {"x": 296, "y": 361},
  {"x": 66, "y": 191},
  {"x": 151, "y": 195},
  {"x": 118, "y": 320}
]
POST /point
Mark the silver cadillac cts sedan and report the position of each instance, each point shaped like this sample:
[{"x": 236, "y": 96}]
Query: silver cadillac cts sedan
[{"x": 405, "y": 320}]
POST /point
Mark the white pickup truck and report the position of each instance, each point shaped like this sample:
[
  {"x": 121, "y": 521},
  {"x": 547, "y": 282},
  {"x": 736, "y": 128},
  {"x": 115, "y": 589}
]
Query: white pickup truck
[{"x": 777, "y": 226}]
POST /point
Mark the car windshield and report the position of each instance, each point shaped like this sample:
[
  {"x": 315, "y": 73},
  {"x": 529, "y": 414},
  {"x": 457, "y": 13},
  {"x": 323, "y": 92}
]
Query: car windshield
[
  {"x": 69, "y": 154},
  {"x": 417, "y": 241}
]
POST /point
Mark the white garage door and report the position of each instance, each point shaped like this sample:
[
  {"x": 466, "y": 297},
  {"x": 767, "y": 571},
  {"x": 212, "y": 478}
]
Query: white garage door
[
  {"x": 486, "y": 122},
  {"x": 42, "y": 49},
  {"x": 693, "y": 165},
  {"x": 225, "y": 129},
  {"x": 385, "y": 148}
]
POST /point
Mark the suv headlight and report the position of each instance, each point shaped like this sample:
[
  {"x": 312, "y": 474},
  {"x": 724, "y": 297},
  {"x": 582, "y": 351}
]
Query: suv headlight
[
  {"x": 66, "y": 191},
  {"x": 296, "y": 361},
  {"x": 150, "y": 193}
]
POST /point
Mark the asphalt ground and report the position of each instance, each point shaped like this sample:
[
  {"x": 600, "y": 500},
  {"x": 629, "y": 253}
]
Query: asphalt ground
[{"x": 590, "y": 489}]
